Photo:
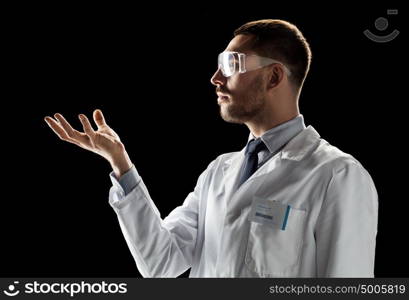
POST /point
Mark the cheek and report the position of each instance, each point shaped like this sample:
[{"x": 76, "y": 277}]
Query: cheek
[
  {"x": 237, "y": 84},
  {"x": 244, "y": 85}
]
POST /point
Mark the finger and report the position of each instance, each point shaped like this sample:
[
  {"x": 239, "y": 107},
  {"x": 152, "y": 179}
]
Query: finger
[
  {"x": 89, "y": 131},
  {"x": 64, "y": 124},
  {"x": 55, "y": 126},
  {"x": 99, "y": 118},
  {"x": 82, "y": 140}
]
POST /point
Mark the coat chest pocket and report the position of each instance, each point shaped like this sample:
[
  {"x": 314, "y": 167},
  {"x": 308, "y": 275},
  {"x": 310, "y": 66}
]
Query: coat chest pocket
[{"x": 275, "y": 238}]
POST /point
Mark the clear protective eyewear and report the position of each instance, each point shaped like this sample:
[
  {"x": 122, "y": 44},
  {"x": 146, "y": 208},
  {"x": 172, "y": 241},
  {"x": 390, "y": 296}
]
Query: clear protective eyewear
[{"x": 230, "y": 63}]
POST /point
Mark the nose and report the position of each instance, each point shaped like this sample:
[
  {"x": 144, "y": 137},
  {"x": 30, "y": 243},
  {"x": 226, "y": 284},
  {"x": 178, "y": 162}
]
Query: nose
[{"x": 218, "y": 78}]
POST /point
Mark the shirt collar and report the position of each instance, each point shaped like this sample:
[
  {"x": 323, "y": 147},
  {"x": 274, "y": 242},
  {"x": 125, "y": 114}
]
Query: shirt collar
[{"x": 276, "y": 137}]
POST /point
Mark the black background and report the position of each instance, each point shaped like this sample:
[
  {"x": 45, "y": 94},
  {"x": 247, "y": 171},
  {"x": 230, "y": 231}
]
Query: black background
[{"x": 148, "y": 69}]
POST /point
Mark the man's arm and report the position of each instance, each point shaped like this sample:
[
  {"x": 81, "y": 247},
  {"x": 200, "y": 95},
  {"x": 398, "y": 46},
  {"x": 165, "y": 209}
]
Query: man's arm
[
  {"x": 160, "y": 248},
  {"x": 346, "y": 228}
]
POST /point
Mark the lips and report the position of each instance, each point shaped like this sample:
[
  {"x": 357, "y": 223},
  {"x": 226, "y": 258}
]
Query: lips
[
  {"x": 221, "y": 95},
  {"x": 222, "y": 98}
]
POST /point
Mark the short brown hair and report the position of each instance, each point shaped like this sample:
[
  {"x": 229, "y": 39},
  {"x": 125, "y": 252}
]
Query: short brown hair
[{"x": 282, "y": 41}]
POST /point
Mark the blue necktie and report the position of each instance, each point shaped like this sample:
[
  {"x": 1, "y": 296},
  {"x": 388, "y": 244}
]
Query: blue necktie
[{"x": 251, "y": 159}]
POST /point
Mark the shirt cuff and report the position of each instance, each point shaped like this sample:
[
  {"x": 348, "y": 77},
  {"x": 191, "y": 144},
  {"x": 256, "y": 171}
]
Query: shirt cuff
[{"x": 127, "y": 182}]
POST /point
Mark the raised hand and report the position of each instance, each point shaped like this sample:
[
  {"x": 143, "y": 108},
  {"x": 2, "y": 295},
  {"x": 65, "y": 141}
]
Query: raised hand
[{"x": 103, "y": 141}]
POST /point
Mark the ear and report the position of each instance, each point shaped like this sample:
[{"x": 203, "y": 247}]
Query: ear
[{"x": 276, "y": 76}]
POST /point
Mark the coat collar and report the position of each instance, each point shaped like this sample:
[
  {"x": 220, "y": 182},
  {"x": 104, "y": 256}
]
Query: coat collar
[
  {"x": 295, "y": 149},
  {"x": 301, "y": 144}
]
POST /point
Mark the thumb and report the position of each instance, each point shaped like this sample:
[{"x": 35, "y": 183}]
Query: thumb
[{"x": 99, "y": 118}]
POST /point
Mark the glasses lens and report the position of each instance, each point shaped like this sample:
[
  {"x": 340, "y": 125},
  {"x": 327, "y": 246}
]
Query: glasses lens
[{"x": 227, "y": 63}]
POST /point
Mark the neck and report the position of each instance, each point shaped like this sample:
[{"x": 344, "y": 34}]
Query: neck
[{"x": 265, "y": 122}]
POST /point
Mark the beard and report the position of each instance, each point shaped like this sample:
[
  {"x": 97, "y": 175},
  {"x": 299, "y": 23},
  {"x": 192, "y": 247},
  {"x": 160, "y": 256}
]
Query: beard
[{"x": 245, "y": 107}]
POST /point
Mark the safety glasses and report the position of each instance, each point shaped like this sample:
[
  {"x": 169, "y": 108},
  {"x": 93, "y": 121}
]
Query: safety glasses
[{"x": 231, "y": 62}]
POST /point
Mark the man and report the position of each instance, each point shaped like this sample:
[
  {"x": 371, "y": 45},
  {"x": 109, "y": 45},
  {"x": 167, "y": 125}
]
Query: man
[{"x": 288, "y": 205}]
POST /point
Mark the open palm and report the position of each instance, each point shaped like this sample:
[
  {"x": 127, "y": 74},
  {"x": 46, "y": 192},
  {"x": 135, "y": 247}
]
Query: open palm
[{"x": 103, "y": 141}]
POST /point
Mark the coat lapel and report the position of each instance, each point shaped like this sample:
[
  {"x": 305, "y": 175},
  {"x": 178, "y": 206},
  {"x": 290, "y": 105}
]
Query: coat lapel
[
  {"x": 294, "y": 150},
  {"x": 231, "y": 169}
]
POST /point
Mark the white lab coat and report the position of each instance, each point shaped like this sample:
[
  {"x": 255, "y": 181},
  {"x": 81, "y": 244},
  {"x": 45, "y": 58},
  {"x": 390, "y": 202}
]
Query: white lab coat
[{"x": 330, "y": 230}]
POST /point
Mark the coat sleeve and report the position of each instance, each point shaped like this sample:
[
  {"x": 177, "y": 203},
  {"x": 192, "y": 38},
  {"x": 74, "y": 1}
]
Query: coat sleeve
[
  {"x": 346, "y": 228},
  {"x": 160, "y": 247}
]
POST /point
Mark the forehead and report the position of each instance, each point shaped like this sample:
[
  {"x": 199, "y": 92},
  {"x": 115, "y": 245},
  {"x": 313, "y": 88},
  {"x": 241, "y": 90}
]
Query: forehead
[{"x": 241, "y": 43}]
